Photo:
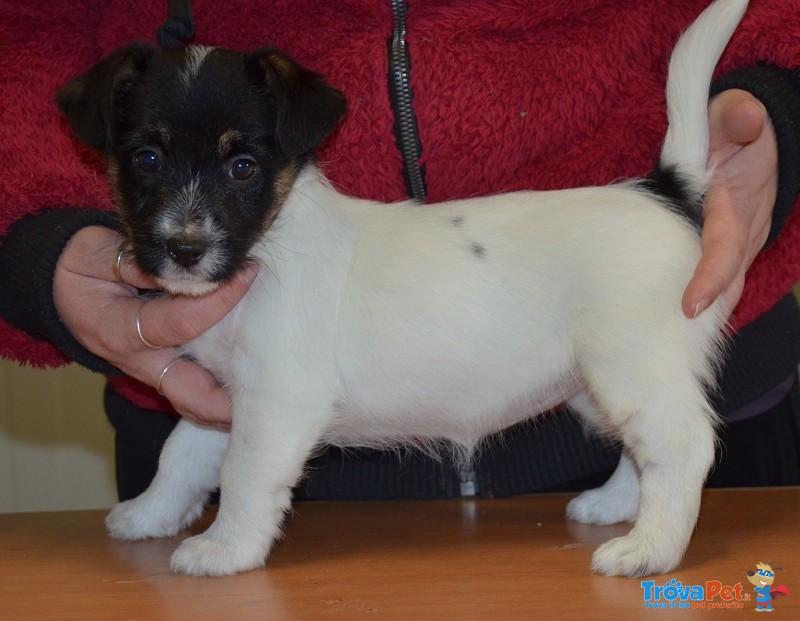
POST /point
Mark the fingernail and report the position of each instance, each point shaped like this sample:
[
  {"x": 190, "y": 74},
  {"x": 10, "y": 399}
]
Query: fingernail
[{"x": 699, "y": 308}]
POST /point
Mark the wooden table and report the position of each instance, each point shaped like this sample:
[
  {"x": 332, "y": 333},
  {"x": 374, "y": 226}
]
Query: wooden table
[{"x": 463, "y": 559}]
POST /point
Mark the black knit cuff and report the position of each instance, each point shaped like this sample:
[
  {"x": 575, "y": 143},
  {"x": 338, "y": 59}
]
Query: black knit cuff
[
  {"x": 779, "y": 90},
  {"x": 29, "y": 253}
]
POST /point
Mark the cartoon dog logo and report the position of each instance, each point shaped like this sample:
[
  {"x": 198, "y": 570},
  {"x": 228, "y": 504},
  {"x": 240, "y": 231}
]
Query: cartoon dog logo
[{"x": 762, "y": 580}]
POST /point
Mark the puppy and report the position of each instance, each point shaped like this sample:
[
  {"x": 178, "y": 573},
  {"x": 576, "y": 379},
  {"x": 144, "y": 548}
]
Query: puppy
[{"x": 434, "y": 326}]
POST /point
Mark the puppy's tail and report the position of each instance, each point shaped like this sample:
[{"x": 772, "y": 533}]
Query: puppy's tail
[{"x": 684, "y": 156}]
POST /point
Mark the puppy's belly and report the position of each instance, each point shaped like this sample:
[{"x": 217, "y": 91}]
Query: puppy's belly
[{"x": 452, "y": 404}]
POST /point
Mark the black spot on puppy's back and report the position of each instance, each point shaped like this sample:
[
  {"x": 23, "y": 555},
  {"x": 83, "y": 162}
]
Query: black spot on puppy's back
[{"x": 478, "y": 250}]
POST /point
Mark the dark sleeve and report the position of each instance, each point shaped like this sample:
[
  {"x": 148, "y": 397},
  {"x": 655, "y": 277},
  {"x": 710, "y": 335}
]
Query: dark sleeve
[
  {"x": 779, "y": 90},
  {"x": 29, "y": 252}
]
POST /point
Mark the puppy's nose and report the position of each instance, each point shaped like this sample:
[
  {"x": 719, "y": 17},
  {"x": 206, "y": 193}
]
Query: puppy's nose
[{"x": 186, "y": 252}]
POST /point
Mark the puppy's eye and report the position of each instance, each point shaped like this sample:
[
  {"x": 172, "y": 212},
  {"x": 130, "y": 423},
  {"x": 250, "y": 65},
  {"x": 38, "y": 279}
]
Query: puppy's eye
[
  {"x": 148, "y": 160},
  {"x": 242, "y": 169}
]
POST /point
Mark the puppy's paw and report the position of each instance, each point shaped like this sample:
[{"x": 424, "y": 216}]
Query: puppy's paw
[
  {"x": 634, "y": 556},
  {"x": 210, "y": 555},
  {"x": 144, "y": 517},
  {"x": 604, "y": 506}
]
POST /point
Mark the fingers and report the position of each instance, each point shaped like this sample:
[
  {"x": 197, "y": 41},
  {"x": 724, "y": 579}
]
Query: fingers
[
  {"x": 141, "y": 337},
  {"x": 94, "y": 252},
  {"x": 194, "y": 393},
  {"x": 172, "y": 320},
  {"x": 169, "y": 320},
  {"x": 124, "y": 269},
  {"x": 191, "y": 390},
  {"x": 737, "y": 215},
  {"x": 721, "y": 259}
]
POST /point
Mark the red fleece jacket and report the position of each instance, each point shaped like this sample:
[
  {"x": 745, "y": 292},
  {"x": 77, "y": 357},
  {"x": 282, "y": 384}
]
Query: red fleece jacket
[{"x": 509, "y": 94}]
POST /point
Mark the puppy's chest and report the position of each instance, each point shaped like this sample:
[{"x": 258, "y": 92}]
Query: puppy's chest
[{"x": 214, "y": 351}]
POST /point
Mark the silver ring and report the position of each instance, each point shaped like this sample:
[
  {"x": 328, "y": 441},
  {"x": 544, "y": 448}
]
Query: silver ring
[
  {"x": 139, "y": 330},
  {"x": 117, "y": 264},
  {"x": 163, "y": 374}
]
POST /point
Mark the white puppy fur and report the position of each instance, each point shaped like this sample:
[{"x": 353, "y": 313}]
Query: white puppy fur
[{"x": 375, "y": 325}]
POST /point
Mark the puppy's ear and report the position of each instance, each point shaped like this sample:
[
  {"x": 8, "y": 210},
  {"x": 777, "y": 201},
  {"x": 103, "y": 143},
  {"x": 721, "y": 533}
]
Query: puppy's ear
[
  {"x": 94, "y": 101},
  {"x": 308, "y": 109}
]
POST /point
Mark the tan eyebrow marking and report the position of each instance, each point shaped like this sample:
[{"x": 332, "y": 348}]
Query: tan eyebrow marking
[
  {"x": 227, "y": 140},
  {"x": 165, "y": 134}
]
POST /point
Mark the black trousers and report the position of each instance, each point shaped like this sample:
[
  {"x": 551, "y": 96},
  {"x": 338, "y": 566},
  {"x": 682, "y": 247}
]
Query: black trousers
[{"x": 554, "y": 455}]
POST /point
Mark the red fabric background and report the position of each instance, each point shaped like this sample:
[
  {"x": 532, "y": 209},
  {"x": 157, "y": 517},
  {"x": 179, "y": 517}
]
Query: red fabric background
[{"x": 509, "y": 94}]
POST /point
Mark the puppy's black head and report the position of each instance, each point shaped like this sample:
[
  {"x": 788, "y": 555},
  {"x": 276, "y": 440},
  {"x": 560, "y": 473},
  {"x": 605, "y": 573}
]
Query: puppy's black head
[{"x": 204, "y": 145}]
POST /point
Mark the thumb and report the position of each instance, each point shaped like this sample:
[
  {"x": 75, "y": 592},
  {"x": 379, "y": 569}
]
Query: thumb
[{"x": 735, "y": 118}]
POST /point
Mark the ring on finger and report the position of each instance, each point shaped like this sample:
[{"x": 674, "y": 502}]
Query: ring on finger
[
  {"x": 139, "y": 330},
  {"x": 161, "y": 377},
  {"x": 116, "y": 267}
]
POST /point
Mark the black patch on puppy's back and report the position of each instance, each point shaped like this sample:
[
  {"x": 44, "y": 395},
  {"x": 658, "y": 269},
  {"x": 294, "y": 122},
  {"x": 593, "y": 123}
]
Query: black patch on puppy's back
[{"x": 676, "y": 193}]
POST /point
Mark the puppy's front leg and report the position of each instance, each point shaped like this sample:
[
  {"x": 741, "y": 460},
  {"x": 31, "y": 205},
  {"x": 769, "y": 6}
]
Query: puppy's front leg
[
  {"x": 270, "y": 442},
  {"x": 188, "y": 470}
]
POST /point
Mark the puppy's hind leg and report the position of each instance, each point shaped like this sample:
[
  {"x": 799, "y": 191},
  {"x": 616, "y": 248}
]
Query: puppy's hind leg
[
  {"x": 659, "y": 410},
  {"x": 188, "y": 470}
]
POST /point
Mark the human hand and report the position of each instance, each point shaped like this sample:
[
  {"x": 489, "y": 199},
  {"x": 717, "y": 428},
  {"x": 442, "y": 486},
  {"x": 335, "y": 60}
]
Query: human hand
[
  {"x": 100, "y": 312},
  {"x": 738, "y": 209}
]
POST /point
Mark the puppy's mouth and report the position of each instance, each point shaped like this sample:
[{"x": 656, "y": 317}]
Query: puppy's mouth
[
  {"x": 187, "y": 285},
  {"x": 192, "y": 267}
]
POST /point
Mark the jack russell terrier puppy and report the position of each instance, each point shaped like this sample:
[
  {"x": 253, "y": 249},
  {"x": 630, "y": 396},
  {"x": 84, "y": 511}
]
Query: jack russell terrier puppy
[{"x": 383, "y": 325}]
